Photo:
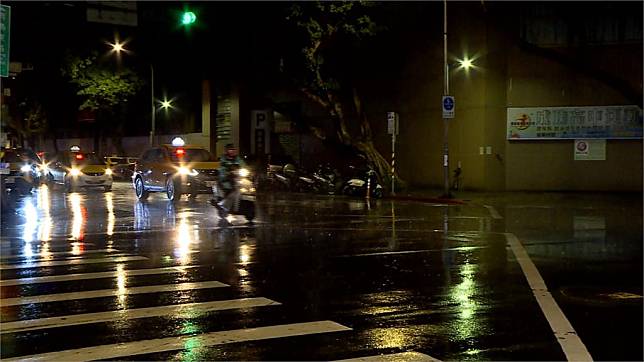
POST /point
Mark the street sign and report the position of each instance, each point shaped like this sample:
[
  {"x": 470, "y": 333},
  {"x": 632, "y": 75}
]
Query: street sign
[
  {"x": 5, "y": 32},
  {"x": 392, "y": 123},
  {"x": 448, "y": 106}
]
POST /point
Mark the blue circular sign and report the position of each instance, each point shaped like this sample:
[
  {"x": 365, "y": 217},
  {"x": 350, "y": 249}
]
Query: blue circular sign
[{"x": 448, "y": 103}]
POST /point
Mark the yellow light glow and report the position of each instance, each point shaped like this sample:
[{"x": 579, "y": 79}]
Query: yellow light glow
[
  {"x": 109, "y": 203},
  {"x": 166, "y": 104},
  {"x": 31, "y": 221},
  {"x": 45, "y": 253},
  {"x": 244, "y": 254},
  {"x": 108, "y": 171},
  {"x": 466, "y": 63},
  {"x": 183, "y": 240},
  {"x": 117, "y": 47},
  {"x": 78, "y": 216},
  {"x": 121, "y": 285},
  {"x": 74, "y": 172}
]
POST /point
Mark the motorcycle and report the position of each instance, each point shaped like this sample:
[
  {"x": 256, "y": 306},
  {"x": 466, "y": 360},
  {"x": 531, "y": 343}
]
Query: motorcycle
[
  {"x": 327, "y": 179},
  {"x": 363, "y": 183},
  {"x": 241, "y": 199}
]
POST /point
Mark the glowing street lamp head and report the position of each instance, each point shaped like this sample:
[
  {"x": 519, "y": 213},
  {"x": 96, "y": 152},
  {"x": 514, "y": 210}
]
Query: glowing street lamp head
[
  {"x": 166, "y": 104},
  {"x": 466, "y": 63},
  {"x": 117, "y": 47}
]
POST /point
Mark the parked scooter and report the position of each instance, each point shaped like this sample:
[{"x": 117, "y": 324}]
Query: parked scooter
[
  {"x": 241, "y": 199},
  {"x": 364, "y": 182},
  {"x": 328, "y": 179}
]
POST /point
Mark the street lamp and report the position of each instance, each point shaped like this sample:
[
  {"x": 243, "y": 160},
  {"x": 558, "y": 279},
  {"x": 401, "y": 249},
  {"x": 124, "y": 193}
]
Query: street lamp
[{"x": 117, "y": 48}]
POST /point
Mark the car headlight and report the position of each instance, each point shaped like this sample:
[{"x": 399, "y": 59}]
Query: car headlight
[
  {"x": 44, "y": 168},
  {"x": 187, "y": 172},
  {"x": 25, "y": 168},
  {"x": 74, "y": 172},
  {"x": 108, "y": 171},
  {"x": 243, "y": 172}
]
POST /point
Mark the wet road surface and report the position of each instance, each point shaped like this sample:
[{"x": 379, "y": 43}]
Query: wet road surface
[{"x": 95, "y": 275}]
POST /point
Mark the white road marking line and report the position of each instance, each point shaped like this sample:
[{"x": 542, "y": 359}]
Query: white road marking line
[
  {"x": 127, "y": 349},
  {"x": 88, "y": 276},
  {"x": 188, "y": 310},
  {"x": 39, "y": 259},
  {"x": 461, "y": 248},
  {"x": 45, "y": 264},
  {"x": 46, "y": 298},
  {"x": 495, "y": 214},
  {"x": 572, "y": 346},
  {"x": 75, "y": 253},
  {"x": 396, "y": 357}
]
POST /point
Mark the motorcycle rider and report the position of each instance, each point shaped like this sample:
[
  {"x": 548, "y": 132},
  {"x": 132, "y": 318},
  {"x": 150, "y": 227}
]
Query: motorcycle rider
[{"x": 229, "y": 163}]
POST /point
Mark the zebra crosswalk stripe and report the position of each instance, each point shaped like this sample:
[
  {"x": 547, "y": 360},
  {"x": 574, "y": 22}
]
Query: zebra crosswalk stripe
[
  {"x": 47, "y": 298},
  {"x": 181, "y": 342},
  {"x": 187, "y": 310},
  {"x": 40, "y": 255},
  {"x": 45, "y": 264},
  {"x": 97, "y": 275}
]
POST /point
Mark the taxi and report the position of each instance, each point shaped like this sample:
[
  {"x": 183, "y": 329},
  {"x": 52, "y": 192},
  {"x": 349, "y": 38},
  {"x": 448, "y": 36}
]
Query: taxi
[
  {"x": 23, "y": 167},
  {"x": 175, "y": 169},
  {"x": 75, "y": 169}
]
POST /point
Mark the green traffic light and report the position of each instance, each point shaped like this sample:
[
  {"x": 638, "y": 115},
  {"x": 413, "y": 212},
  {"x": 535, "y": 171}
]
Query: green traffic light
[{"x": 188, "y": 18}]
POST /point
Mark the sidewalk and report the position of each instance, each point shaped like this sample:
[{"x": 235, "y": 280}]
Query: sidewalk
[{"x": 502, "y": 198}]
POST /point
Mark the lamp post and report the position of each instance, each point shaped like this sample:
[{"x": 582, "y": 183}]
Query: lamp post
[
  {"x": 465, "y": 64},
  {"x": 446, "y": 192},
  {"x": 118, "y": 47}
]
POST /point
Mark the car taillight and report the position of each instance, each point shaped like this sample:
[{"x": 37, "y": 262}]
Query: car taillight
[
  {"x": 180, "y": 152},
  {"x": 79, "y": 156}
]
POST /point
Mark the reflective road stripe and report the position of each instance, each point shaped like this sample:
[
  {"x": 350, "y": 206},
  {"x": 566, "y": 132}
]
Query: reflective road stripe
[
  {"x": 189, "y": 310},
  {"x": 39, "y": 255},
  {"x": 86, "y": 276},
  {"x": 572, "y": 346},
  {"x": 46, "y": 264},
  {"x": 181, "y": 342},
  {"x": 396, "y": 357},
  {"x": 109, "y": 293}
]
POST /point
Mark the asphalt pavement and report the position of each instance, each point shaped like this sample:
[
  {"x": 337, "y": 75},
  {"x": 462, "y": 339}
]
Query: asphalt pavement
[{"x": 100, "y": 276}]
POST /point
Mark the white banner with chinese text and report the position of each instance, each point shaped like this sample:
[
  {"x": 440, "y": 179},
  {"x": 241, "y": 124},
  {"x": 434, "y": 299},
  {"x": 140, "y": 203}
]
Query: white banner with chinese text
[{"x": 548, "y": 123}]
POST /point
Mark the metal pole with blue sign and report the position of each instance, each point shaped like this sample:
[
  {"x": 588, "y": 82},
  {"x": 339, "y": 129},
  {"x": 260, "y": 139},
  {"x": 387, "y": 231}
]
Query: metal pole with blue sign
[
  {"x": 5, "y": 32},
  {"x": 448, "y": 106}
]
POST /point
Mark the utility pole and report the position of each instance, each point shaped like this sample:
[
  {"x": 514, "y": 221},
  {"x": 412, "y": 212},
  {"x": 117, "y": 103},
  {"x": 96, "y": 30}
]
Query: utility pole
[{"x": 446, "y": 192}]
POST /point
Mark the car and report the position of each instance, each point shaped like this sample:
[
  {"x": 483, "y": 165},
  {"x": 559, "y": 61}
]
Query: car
[
  {"x": 175, "y": 169},
  {"x": 75, "y": 169},
  {"x": 122, "y": 167},
  {"x": 24, "y": 169}
]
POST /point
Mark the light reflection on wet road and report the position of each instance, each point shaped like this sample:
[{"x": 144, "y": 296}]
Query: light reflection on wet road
[{"x": 344, "y": 278}]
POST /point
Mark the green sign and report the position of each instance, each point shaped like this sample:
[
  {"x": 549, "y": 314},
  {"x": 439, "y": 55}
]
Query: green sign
[{"x": 5, "y": 30}]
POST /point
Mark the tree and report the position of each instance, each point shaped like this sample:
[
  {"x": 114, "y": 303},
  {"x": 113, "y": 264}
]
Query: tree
[
  {"x": 104, "y": 91},
  {"x": 31, "y": 122},
  {"x": 332, "y": 31}
]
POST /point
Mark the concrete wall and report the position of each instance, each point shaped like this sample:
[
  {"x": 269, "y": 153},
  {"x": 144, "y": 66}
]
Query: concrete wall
[
  {"x": 507, "y": 76},
  {"x": 549, "y": 165}
]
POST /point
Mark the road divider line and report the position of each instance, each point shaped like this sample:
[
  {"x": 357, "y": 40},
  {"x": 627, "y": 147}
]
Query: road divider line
[
  {"x": 47, "y": 298},
  {"x": 97, "y": 275},
  {"x": 183, "y": 311},
  {"x": 572, "y": 346},
  {"x": 495, "y": 214},
  {"x": 45, "y": 264},
  {"x": 395, "y": 357},
  {"x": 460, "y": 248},
  {"x": 127, "y": 349},
  {"x": 75, "y": 253}
]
